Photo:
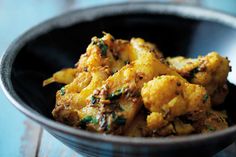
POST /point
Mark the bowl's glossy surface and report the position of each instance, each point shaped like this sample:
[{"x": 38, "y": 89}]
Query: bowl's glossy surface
[{"x": 58, "y": 43}]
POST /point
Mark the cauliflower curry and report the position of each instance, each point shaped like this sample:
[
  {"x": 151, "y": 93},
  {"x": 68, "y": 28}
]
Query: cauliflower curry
[{"x": 128, "y": 88}]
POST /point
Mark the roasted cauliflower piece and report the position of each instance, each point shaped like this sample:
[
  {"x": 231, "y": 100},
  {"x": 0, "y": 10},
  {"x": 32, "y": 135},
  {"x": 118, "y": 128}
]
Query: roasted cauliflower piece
[
  {"x": 72, "y": 97},
  {"x": 210, "y": 71},
  {"x": 139, "y": 47},
  {"x": 105, "y": 52},
  {"x": 168, "y": 97}
]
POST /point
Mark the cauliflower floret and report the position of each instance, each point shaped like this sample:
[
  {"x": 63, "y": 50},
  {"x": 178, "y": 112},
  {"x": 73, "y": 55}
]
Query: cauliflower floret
[
  {"x": 210, "y": 71},
  {"x": 156, "y": 120},
  {"x": 105, "y": 52},
  {"x": 168, "y": 97},
  {"x": 140, "y": 46},
  {"x": 74, "y": 96}
]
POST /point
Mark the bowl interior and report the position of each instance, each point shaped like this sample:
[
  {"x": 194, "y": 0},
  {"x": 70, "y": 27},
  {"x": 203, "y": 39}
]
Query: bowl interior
[{"x": 61, "y": 47}]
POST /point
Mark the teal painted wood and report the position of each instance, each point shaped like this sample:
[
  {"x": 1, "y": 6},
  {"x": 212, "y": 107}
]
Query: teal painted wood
[
  {"x": 14, "y": 131},
  {"x": 51, "y": 147},
  {"x": 30, "y": 138},
  {"x": 8, "y": 133}
]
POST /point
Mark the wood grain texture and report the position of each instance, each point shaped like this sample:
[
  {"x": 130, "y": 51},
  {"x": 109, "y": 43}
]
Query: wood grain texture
[
  {"x": 30, "y": 138},
  {"x": 51, "y": 147},
  {"x": 19, "y": 136}
]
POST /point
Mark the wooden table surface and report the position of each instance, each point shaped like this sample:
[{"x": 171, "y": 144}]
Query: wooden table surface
[{"x": 21, "y": 137}]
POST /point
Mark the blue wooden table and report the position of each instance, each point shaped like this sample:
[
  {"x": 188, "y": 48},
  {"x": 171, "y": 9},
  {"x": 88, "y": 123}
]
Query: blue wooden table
[{"x": 19, "y": 136}]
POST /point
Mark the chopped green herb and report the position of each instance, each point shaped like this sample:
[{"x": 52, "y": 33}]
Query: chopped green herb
[
  {"x": 86, "y": 120},
  {"x": 192, "y": 74},
  {"x": 103, "y": 47},
  {"x": 205, "y": 97},
  {"x": 210, "y": 128},
  {"x": 120, "y": 120},
  {"x": 100, "y": 43},
  {"x": 89, "y": 119},
  {"x": 127, "y": 62},
  {"x": 62, "y": 91},
  {"x": 116, "y": 94},
  {"x": 94, "y": 100},
  {"x": 108, "y": 127},
  {"x": 94, "y": 121}
]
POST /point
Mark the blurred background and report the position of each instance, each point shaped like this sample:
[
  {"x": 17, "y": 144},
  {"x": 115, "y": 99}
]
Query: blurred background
[
  {"x": 17, "y": 16},
  {"x": 19, "y": 136}
]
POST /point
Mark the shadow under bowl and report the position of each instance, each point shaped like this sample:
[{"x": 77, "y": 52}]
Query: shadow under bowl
[{"x": 59, "y": 42}]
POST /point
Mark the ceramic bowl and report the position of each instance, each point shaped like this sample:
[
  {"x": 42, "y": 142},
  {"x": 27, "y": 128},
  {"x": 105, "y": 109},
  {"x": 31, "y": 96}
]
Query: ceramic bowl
[{"x": 59, "y": 42}]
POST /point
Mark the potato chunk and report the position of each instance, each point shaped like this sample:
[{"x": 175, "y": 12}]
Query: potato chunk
[{"x": 74, "y": 96}]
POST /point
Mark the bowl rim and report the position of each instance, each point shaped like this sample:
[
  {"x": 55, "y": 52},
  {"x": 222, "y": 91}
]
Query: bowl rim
[{"x": 81, "y": 15}]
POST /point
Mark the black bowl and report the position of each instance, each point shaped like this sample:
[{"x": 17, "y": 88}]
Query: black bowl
[{"x": 59, "y": 42}]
